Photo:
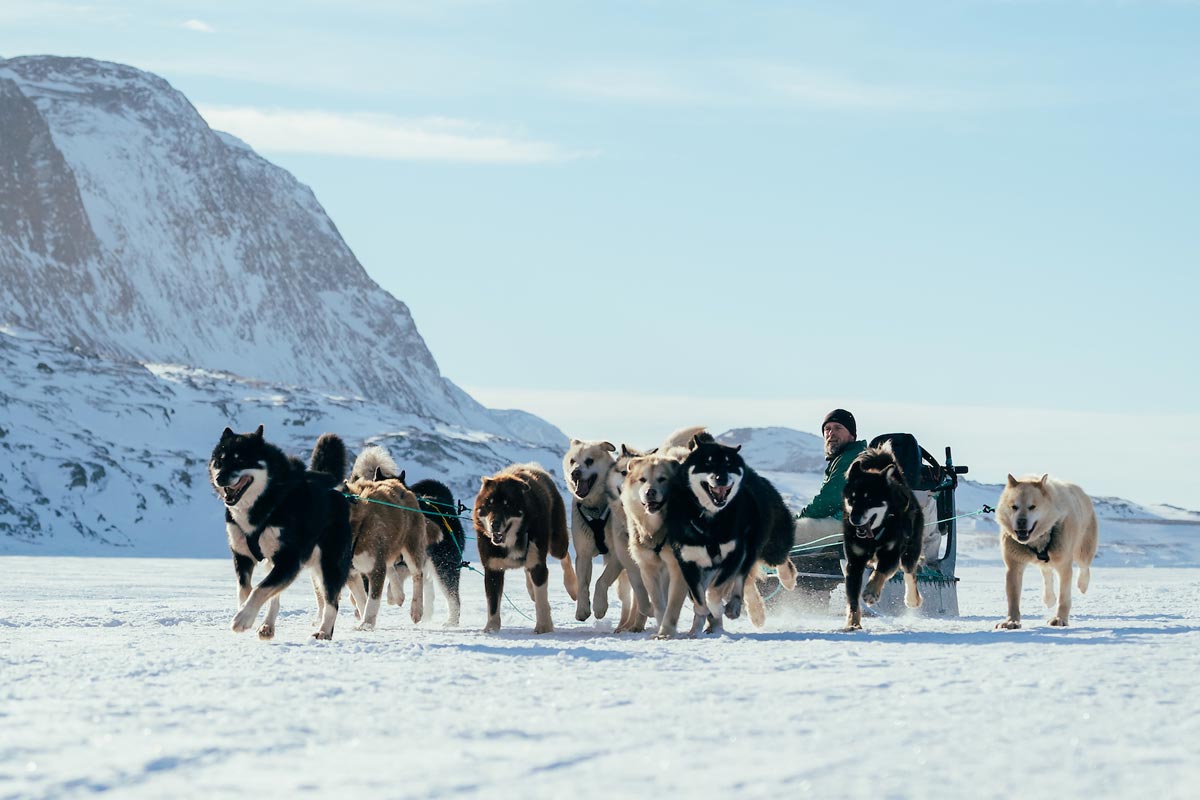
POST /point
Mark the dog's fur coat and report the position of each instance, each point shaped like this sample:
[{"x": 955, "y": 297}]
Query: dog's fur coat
[
  {"x": 520, "y": 519},
  {"x": 721, "y": 519},
  {"x": 287, "y": 517},
  {"x": 882, "y": 526},
  {"x": 1052, "y": 523},
  {"x": 444, "y": 531},
  {"x": 587, "y": 467},
  {"x": 387, "y": 526}
]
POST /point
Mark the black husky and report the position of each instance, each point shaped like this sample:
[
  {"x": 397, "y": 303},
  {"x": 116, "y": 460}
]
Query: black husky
[
  {"x": 290, "y": 517},
  {"x": 722, "y": 517},
  {"x": 882, "y": 523}
]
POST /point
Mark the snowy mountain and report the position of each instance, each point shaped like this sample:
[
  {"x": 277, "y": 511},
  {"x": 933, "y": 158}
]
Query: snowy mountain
[
  {"x": 106, "y": 457},
  {"x": 129, "y": 229}
]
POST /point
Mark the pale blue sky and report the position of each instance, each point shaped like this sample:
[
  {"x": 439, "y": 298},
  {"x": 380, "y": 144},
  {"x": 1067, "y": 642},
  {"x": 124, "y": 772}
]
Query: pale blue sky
[{"x": 975, "y": 220}]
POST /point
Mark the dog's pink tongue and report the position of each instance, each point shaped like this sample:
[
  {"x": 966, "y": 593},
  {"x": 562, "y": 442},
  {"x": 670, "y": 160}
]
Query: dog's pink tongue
[{"x": 242, "y": 483}]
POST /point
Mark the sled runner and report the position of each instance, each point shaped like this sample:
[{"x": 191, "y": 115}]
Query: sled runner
[{"x": 820, "y": 564}]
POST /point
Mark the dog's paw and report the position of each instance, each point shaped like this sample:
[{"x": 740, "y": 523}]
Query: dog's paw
[
  {"x": 1058, "y": 622},
  {"x": 1008, "y": 625},
  {"x": 492, "y": 627},
  {"x": 870, "y": 597},
  {"x": 547, "y": 628},
  {"x": 582, "y": 612},
  {"x": 243, "y": 621},
  {"x": 365, "y": 626},
  {"x": 600, "y": 606},
  {"x": 416, "y": 613},
  {"x": 914, "y": 601},
  {"x": 733, "y": 608},
  {"x": 266, "y": 632},
  {"x": 323, "y": 635}
]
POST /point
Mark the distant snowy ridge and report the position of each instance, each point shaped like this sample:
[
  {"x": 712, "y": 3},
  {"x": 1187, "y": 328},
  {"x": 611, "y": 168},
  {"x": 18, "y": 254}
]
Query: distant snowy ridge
[{"x": 130, "y": 229}]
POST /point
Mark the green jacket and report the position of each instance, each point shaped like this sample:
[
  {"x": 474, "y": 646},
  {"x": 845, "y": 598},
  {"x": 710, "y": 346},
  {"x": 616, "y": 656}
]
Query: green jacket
[{"x": 828, "y": 502}]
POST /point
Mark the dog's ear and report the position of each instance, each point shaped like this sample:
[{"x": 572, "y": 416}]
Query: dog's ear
[
  {"x": 227, "y": 434},
  {"x": 380, "y": 475},
  {"x": 651, "y": 451},
  {"x": 1041, "y": 484},
  {"x": 259, "y": 432},
  {"x": 855, "y": 469},
  {"x": 401, "y": 478},
  {"x": 1012, "y": 482},
  {"x": 485, "y": 482},
  {"x": 609, "y": 446},
  {"x": 737, "y": 449},
  {"x": 575, "y": 442},
  {"x": 892, "y": 473},
  {"x": 695, "y": 442}
]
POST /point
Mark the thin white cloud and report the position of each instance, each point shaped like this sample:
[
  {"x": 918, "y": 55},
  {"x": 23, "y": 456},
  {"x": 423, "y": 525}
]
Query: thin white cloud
[
  {"x": 637, "y": 87},
  {"x": 379, "y": 136},
  {"x": 827, "y": 91},
  {"x": 199, "y": 26}
]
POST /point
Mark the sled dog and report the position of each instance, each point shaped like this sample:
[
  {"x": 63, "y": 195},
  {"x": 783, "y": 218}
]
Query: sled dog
[
  {"x": 387, "y": 526},
  {"x": 635, "y": 602},
  {"x": 587, "y": 467},
  {"x": 1051, "y": 523},
  {"x": 721, "y": 519},
  {"x": 444, "y": 529},
  {"x": 520, "y": 519},
  {"x": 285, "y": 516},
  {"x": 882, "y": 526},
  {"x": 644, "y": 498}
]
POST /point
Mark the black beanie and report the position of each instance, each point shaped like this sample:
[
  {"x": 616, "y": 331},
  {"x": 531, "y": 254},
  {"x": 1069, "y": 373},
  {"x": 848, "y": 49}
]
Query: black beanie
[{"x": 842, "y": 416}]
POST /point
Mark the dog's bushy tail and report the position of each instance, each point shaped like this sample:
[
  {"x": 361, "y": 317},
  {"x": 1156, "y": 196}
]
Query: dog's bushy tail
[
  {"x": 371, "y": 459},
  {"x": 329, "y": 456}
]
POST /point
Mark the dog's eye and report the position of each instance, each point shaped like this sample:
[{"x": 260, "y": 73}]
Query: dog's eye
[
  {"x": 1016, "y": 508},
  {"x": 587, "y": 463},
  {"x": 1033, "y": 506}
]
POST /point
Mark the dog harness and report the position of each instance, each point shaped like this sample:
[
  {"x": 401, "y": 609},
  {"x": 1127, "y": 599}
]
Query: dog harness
[
  {"x": 712, "y": 548},
  {"x": 596, "y": 522},
  {"x": 1044, "y": 553}
]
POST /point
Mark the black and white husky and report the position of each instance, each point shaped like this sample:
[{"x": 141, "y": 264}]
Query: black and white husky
[
  {"x": 722, "y": 518},
  {"x": 287, "y": 517},
  {"x": 882, "y": 526}
]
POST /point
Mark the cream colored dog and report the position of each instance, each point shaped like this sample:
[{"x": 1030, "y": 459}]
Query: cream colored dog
[{"x": 1050, "y": 522}]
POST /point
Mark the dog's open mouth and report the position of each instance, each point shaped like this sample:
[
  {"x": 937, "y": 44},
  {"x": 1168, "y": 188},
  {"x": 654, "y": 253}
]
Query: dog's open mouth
[
  {"x": 498, "y": 537},
  {"x": 583, "y": 486},
  {"x": 864, "y": 532},
  {"x": 234, "y": 491},
  {"x": 654, "y": 506},
  {"x": 1023, "y": 534},
  {"x": 718, "y": 494}
]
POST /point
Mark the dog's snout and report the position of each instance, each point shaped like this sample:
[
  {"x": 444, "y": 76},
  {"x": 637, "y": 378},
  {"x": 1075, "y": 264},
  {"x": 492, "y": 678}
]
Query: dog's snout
[{"x": 576, "y": 474}]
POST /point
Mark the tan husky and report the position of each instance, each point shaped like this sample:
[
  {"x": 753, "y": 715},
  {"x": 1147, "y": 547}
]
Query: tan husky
[
  {"x": 1052, "y": 523},
  {"x": 385, "y": 528}
]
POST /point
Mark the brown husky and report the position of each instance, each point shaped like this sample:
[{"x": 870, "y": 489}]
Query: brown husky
[{"x": 520, "y": 519}]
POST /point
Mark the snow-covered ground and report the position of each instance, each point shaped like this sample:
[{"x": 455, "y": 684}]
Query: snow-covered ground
[{"x": 121, "y": 675}]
